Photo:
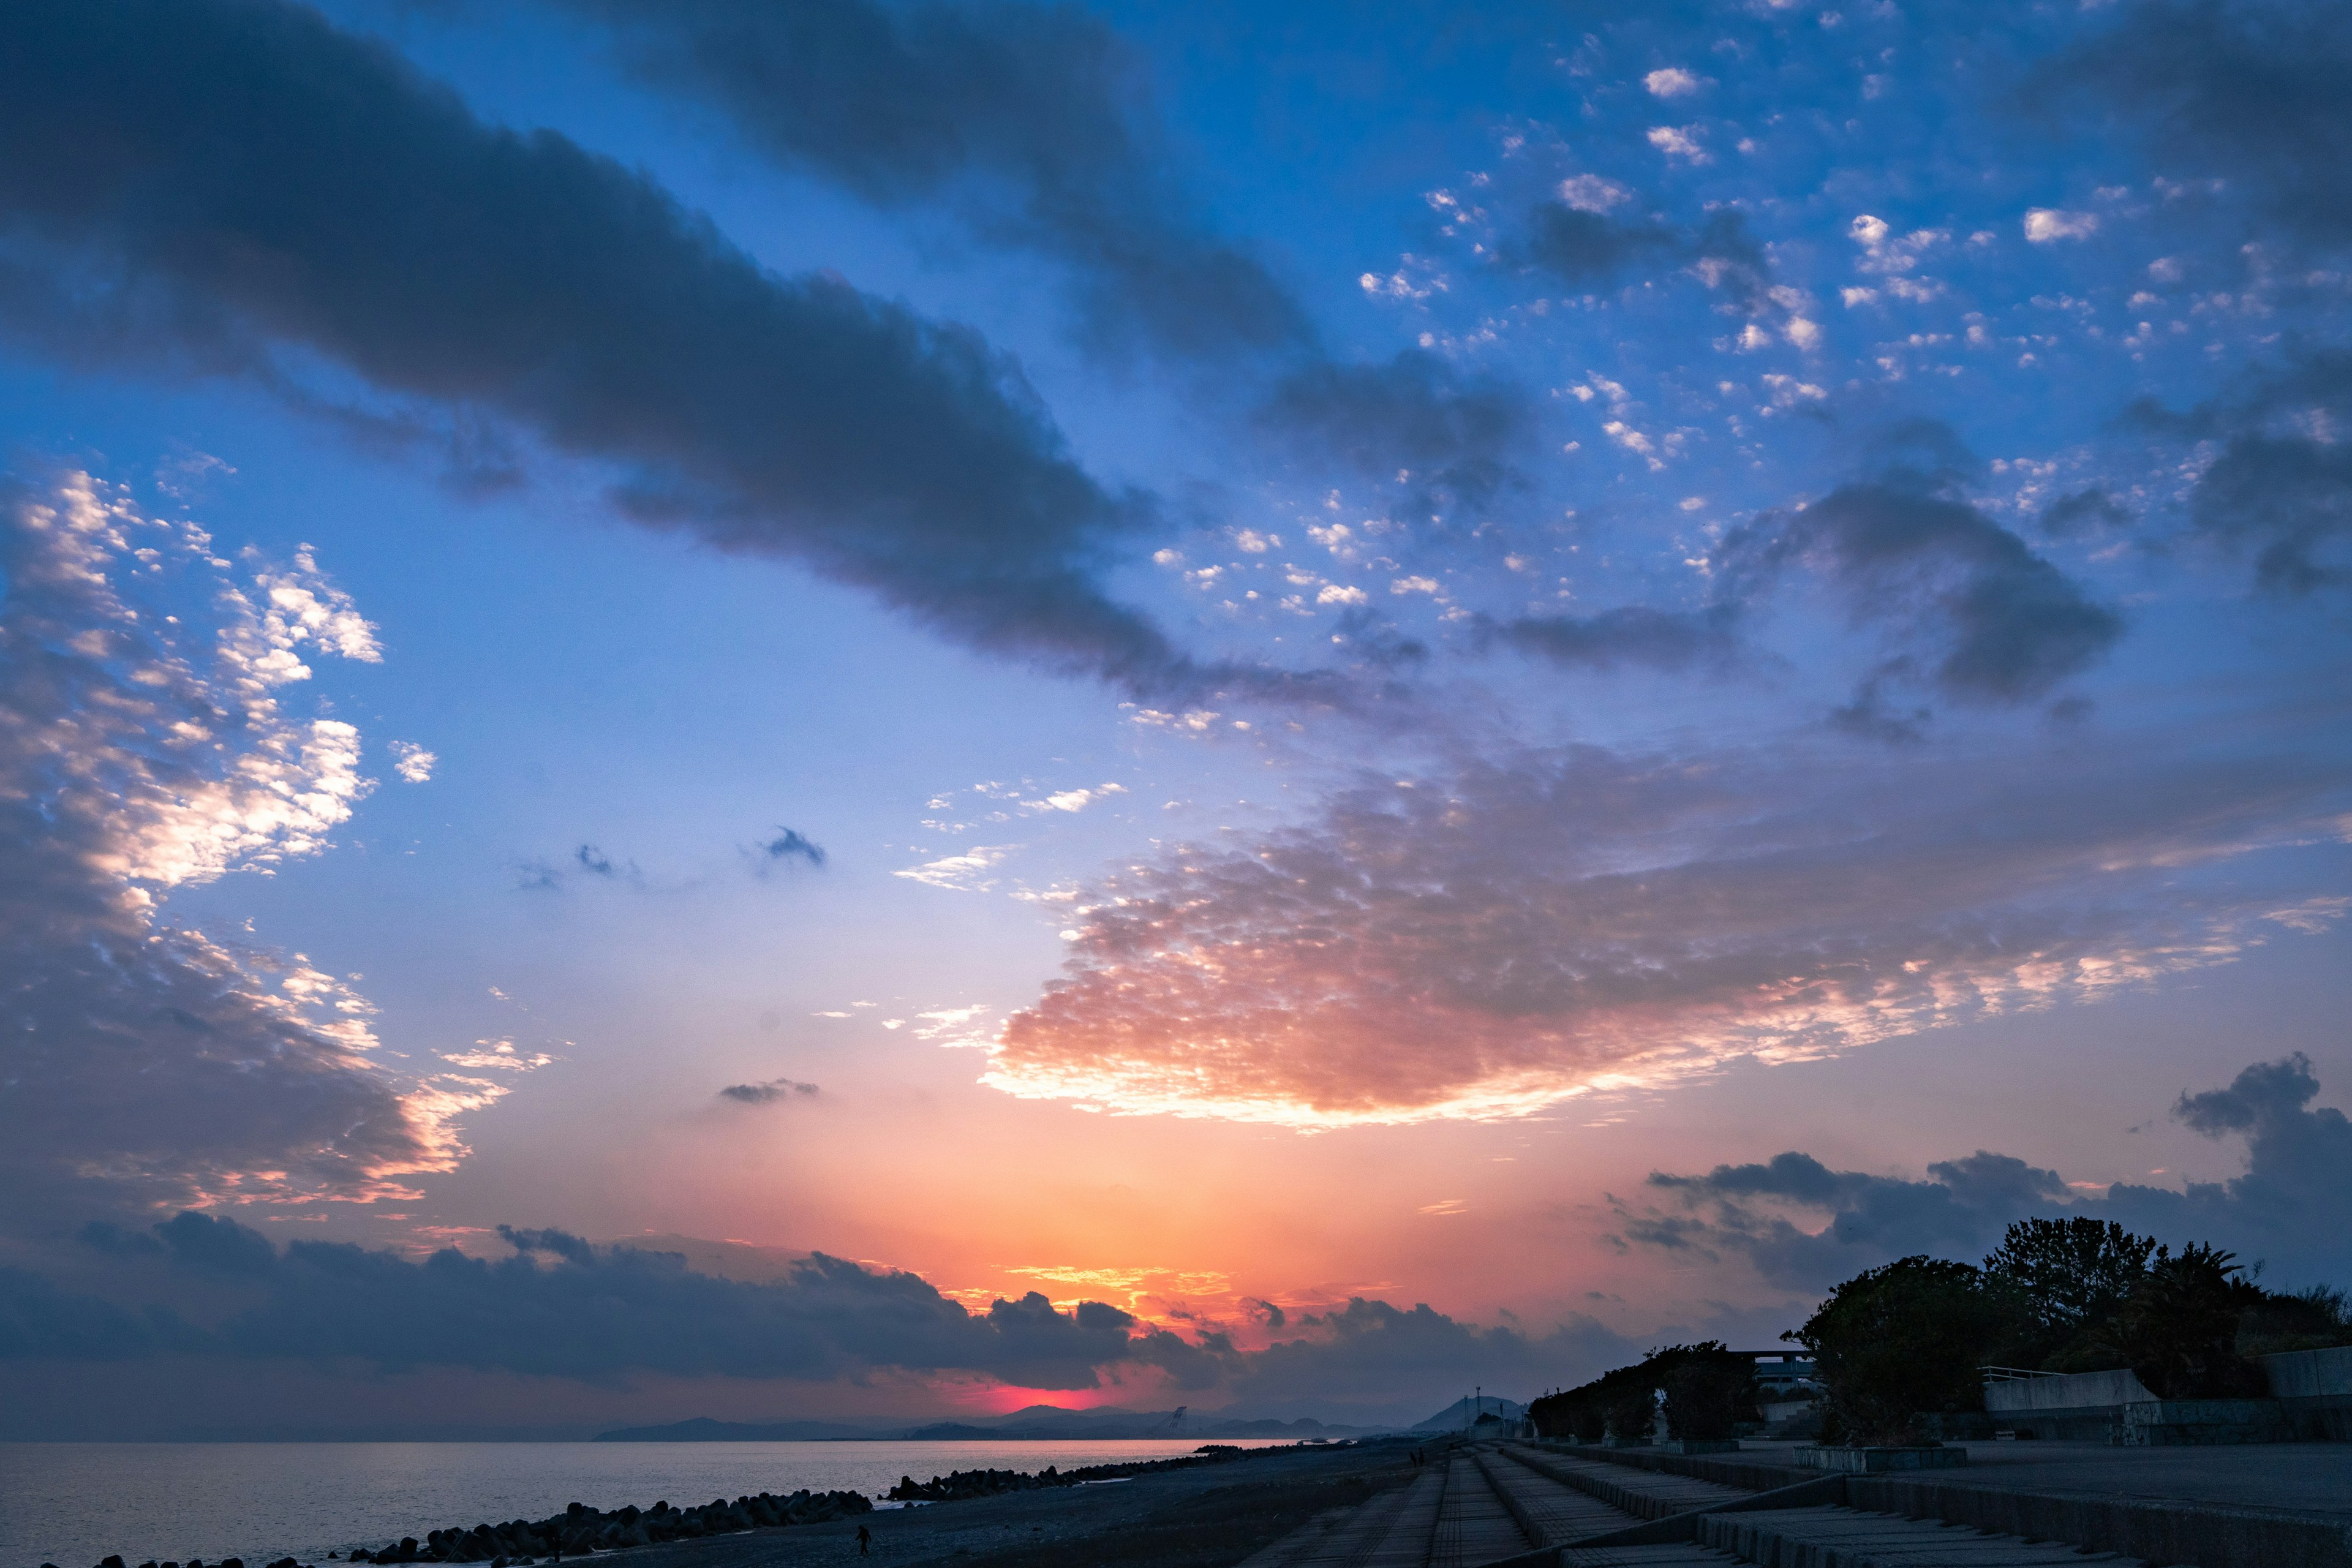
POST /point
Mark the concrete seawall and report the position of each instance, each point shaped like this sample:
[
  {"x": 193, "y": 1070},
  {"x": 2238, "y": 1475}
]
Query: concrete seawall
[
  {"x": 2311, "y": 1399},
  {"x": 2315, "y": 1389}
]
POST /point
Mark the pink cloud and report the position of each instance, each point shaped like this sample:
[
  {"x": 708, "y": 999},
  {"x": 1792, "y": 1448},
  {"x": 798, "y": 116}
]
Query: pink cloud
[{"x": 1562, "y": 922}]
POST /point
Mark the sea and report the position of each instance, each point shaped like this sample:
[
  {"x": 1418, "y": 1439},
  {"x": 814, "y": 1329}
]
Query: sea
[{"x": 72, "y": 1504}]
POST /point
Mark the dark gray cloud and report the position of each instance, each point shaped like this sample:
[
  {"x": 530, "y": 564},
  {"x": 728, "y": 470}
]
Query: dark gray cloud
[
  {"x": 594, "y": 862},
  {"x": 768, "y": 1093},
  {"x": 541, "y": 876},
  {"x": 1878, "y": 711},
  {"x": 233, "y": 186},
  {"x": 2002, "y": 625},
  {"x": 1959, "y": 1210},
  {"x": 1032, "y": 114},
  {"x": 2279, "y": 488},
  {"x": 1972, "y": 612},
  {"x": 2292, "y": 1207},
  {"x": 2289, "y": 498},
  {"x": 1581, "y": 248},
  {"x": 1585, "y": 248},
  {"x": 1415, "y": 419},
  {"x": 1372, "y": 1359},
  {"x": 790, "y": 844},
  {"x": 2252, "y": 93},
  {"x": 558, "y": 1307},
  {"x": 2084, "y": 510},
  {"x": 1628, "y": 635},
  {"x": 147, "y": 1063},
  {"x": 204, "y": 1288}
]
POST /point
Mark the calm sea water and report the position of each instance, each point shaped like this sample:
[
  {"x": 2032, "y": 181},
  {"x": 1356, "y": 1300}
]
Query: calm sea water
[{"x": 73, "y": 1503}]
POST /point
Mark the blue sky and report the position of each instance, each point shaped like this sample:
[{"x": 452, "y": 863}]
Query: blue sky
[{"x": 1374, "y": 625}]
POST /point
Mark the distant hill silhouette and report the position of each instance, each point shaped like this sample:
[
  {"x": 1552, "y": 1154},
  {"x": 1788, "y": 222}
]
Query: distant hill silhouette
[
  {"x": 703, "y": 1429},
  {"x": 1464, "y": 1411},
  {"x": 1038, "y": 1423}
]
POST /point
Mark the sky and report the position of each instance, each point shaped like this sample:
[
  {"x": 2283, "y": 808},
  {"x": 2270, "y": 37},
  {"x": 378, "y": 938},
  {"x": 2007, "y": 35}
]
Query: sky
[{"x": 866, "y": 710}]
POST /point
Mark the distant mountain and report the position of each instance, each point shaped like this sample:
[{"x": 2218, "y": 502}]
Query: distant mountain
[
  {"x": 1038, "y": 1423},
  {"x": 703, "y": 1429},
  {"x": 1046, "y": 1424},
  {"x": 1464, "y": 1411}
]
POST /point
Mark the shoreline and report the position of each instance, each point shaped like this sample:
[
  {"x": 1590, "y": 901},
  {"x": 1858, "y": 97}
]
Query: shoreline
[
  {"x": 581, "y": 1530},
  {"x": 1207, "y": 1517}
]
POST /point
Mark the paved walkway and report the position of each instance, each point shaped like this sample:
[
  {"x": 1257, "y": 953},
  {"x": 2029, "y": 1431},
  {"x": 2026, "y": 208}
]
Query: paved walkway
[
  {"x": 1490, "y": 1503},
  {"x": 2313, "y": 1479},
  {"x": 1848, "y": 1538}
]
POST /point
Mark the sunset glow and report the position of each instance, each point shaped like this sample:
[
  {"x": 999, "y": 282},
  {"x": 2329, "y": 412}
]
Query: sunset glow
[{"x": 878, "y": 711}]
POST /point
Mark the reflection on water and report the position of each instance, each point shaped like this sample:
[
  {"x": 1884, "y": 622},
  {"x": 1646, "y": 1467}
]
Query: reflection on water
[{"x": 73, "y": 1503}]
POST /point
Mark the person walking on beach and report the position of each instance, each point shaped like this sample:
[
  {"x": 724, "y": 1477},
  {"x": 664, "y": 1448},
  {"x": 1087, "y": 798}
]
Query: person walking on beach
[{"x": 864, "y": 1540}]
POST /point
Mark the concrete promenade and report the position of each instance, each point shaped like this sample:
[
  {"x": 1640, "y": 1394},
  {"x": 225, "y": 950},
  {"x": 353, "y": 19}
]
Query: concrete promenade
[
  {"x": 2023, "y": 1505},
  {"x": 2014, "y": 1505}
]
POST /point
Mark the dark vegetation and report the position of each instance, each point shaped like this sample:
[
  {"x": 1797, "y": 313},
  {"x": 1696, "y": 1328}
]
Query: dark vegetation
[
  {"x": 1898, "y": 1346},
  {"x": 1708, "y": 1392}
]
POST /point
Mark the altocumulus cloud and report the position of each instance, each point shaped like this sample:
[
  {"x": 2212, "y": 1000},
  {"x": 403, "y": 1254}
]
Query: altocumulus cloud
[
  {"x": 1493, "y": 942},
  {"x": 177, "y": 181},
  {"x": 2292, "y": 1207},
  {"x": 149, "y": 1064}
]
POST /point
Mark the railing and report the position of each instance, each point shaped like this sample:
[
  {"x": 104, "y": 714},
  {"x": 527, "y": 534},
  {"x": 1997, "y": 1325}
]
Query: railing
[{"x": 2013, "y": 1373}]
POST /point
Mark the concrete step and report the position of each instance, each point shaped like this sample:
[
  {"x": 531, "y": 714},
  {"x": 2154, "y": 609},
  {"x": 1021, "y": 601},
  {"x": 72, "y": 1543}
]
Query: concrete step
[
  {"x": 1342, "y": 1538},
  {"x": 1551, "y": 1511},
  {"x": 1404, "y": 1542},
  {"x": 1681, "y": 1554},
  {"x": 1474, "y": 1525},
  {"x": 1849, "y": 1538},
  {"x": 1645, "y": 1494}
]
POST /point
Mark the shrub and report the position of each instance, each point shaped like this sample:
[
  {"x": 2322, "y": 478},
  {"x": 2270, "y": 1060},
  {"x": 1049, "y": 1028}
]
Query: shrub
[
  {"x": 2308, "y": 1319},
  {"x": 1709, "y": 1390},
  {"x": 1633, "y": 1410},
  {"x": 2178, "y": 1332},
  {"x": 1897, "y": 1342},
  {"x": 2067, "y": 1277}
]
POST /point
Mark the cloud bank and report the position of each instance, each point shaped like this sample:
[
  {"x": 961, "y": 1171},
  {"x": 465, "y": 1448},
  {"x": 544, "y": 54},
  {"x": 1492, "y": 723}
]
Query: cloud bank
[{"x": 195, "y": 1292}]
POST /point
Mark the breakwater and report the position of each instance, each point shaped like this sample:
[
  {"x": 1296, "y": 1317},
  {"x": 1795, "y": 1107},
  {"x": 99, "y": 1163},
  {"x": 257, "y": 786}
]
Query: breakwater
[
  {"x": 958, "y": 1485},
  {"x": 580, "y": 1531}
]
